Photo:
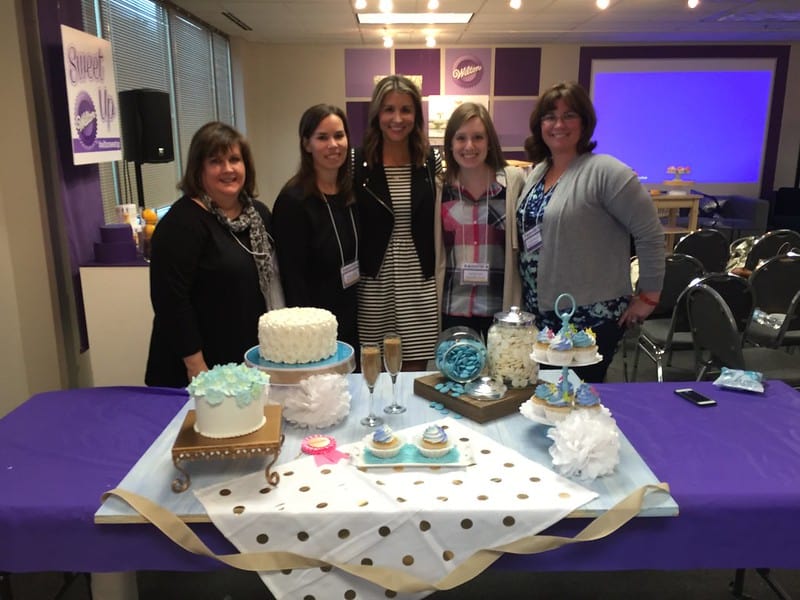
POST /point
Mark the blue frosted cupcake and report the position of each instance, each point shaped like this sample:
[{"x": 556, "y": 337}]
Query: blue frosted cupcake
[{"x": 584, "y": 343}]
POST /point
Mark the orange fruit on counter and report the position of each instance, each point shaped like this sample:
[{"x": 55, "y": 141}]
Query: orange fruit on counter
[
  {"x": 149, "y": 215},
  {"x": 148, "y": 230}
]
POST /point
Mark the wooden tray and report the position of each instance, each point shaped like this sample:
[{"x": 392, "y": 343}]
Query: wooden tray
[{"x": 479, "y": 411}]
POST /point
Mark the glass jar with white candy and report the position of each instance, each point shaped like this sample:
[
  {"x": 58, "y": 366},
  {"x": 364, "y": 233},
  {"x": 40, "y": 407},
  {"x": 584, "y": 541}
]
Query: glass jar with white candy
[{"x": 509, "y": 345}]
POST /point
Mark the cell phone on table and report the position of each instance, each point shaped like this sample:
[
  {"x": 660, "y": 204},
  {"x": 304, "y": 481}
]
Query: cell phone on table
[{"x": 695, "y": 397}]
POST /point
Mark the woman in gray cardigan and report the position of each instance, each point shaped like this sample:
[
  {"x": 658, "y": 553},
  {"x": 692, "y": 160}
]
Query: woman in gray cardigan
[{"x": 575, "y": 217}]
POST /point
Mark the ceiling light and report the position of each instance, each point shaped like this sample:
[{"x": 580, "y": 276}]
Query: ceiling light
[
  {"x": 433, "y": 4},
  {"x": 388, "y": 42},
  {"x": 430, "y": 41},
  {"x": 414, "y": 18},
  {"x": 360, "y": 4},
  {"x": 693, "y": 3},
  {"x": 385, "y": 6},
  {"x": 515, "y": 4},
  {"x": 603, "y": 4}
]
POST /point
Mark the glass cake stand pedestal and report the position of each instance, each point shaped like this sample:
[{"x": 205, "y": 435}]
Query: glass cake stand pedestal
[{"x": 191, "y": 446}]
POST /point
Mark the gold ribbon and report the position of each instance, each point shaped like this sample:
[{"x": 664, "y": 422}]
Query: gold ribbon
[{"x": 390, "y": 579}]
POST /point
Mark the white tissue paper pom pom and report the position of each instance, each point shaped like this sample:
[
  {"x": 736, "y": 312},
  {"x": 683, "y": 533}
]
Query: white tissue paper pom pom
[
  {"x": 319, "y": 401},
  {"x": 586, "y": 444}
]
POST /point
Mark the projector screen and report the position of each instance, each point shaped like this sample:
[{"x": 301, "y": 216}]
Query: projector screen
[{"x": 711, "y": 115}]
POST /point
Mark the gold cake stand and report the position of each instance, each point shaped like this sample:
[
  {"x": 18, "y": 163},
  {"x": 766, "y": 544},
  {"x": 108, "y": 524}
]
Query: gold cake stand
[{"x": 190, "y": 446}]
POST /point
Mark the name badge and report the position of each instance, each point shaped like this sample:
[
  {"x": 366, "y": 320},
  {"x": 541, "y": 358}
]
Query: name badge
[
  {"x": 351, "y": 274},
  {"x": 475, "y": 274},
  {"x": 532, "y": 239}
]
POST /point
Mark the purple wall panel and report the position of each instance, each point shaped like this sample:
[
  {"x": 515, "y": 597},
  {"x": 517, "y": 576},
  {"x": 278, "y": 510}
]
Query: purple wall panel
[
  {"x": 360, "y": 68},
  {"x": 516, "y": 71},
  {"x": 423, "y": 62},
  {"x": 510, "y": 119},
  {"x": 474, "y": 67},
  {"x": 357, "y": 120}
]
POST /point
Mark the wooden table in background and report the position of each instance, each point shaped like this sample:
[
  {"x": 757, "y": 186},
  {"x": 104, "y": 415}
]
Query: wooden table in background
[{"x": 671, "y": 205}]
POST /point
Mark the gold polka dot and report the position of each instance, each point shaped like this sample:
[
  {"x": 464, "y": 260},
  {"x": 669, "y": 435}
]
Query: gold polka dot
[
  {"x": 509, "y": 521},
  {"x": 535, "y": 479},
  {"x": 262, "y": 538},
  {"x": 445, "y": 426},
  {"x": 508, "y": 465},
  {"x": 464, "y": 439},
  {"x": 399, "y": 499},
  {"x": 522, "y": 496},
  {"x": 447, "y": 555},
  {"x": 288, "y": 473},
  {"x": 362, "y": 469},
  {"x": 495, "y": 480},
  {"x": 265, "y": 490},
  {"x": 302, "y": 536},
  {"x": 483, "y": 497},
  {"x": 326, "y": 569},
  {"x": 237, "y": 510},
  {"x": 397, "y": 468},
  {"x": 363, "y": 503},
  {"x": 390, "y": 594},
  {"x": 344, "y": 534},
  {"x": 424, "y": 525},
  {"x": 325, "y": 471},
  {"x": 384, "y": 531},
  {"x": 441, "y": 498},
  {"x": 286, "y": 571},
  {"x": 379, "y": 482},
  {"x": 304, "y": 488},
  {"x": 419, "y": 482},
  {"x": 309, "y": 597},
  {"x": 322, "y": 505},
  {"x": 408, "y": 560},
  {"x": 367, "y": 562},
  {"x": 349, "y": 595},
  {"x": 564, "y": 495},
  {"x": 225, "y": 492},
  {"x": 435, "y": 468},
  {"x": 486, "y": 451},
  {"x": 457, "y": 482},
  {"x": 466, "y": 524}
]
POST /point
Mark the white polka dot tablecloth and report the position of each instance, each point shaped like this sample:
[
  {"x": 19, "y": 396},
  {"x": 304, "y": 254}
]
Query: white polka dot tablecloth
[{"x": 423, "y": 521}]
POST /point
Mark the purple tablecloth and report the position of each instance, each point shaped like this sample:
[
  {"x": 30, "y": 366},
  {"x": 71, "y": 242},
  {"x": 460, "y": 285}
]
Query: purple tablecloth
[{"x": 734, "y": 471}]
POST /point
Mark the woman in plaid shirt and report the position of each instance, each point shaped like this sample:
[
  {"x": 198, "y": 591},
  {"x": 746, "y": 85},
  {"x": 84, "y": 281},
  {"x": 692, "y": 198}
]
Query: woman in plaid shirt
[{"x": 476, "y": 265}]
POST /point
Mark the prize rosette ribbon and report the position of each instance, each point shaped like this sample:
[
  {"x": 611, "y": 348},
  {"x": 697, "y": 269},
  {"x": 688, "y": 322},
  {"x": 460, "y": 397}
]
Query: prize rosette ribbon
[{"x": 323, "y": 449}]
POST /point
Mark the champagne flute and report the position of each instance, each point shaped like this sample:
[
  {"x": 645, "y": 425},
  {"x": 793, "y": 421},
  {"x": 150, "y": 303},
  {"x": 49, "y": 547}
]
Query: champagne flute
[
  {"x": 370, "y": 369},
  {"x": 393, "y": 361}
]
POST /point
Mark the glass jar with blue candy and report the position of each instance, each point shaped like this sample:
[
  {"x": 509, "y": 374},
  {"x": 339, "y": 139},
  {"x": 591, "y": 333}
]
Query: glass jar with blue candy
[{"x": 460, "y": 354}]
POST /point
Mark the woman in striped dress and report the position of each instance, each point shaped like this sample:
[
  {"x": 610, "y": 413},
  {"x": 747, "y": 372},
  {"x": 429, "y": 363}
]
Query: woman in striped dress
[{"x": 395, "y": 179}]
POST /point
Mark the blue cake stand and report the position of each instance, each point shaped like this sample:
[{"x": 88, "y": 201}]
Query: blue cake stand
[{"x": 342, "y": 362}]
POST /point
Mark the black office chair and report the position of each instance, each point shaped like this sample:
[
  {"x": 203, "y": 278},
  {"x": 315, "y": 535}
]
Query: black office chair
[
  {"x": 772, "y": 243},
  {"x": 709, "y": 246},
  {"x": 719, "y": 343},
  {"x": 659, "y": 337},
  {"x": 776, "y": 286}
]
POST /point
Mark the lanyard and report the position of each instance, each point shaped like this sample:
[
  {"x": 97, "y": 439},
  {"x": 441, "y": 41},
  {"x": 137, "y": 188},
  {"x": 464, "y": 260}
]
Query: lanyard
[{"x": 336, "y": 230}]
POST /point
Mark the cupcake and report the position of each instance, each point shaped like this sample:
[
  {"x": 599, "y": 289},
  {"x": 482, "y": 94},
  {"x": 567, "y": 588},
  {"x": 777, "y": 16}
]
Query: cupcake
[
  {"x": 584, "y": 343},
  {"x": 434, "y": 442},
  {"x": 587, "y": 398},
  {"x": 542, "y": 394},
  {"x": 383, "y": 443},
  {"x": 559, "y": 405},
  {"x": 542, "y": 344},
  {"x": 560, "y": 351}
]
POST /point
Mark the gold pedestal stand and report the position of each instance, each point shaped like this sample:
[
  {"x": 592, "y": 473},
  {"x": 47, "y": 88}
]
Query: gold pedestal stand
[{"x": 190, "y": 445}]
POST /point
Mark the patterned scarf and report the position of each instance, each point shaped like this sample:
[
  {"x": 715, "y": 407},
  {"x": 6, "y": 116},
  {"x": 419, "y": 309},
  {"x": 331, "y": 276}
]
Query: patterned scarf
[{"x": 261, "y": 247}]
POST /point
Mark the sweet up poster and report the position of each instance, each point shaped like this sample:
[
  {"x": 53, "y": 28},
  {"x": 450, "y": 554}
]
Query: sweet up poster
[{"x": 92, "y": 97}]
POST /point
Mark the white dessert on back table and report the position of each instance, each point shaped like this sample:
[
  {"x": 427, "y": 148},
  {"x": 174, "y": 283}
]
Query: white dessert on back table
[{"x": 297, "y": 335}]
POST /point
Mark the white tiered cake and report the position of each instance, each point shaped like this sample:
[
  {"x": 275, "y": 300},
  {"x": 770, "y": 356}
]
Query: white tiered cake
[{"x": 297, "y": 335}]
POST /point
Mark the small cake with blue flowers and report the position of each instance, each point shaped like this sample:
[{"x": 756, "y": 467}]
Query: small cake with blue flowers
[
  {"x": 229, "y": 400},
  {"x": 560, "y": 351},
  {"x": 383, "y": 442},
  {"x": 434, "y": 443},
  {"x": 584, "y": 343}
]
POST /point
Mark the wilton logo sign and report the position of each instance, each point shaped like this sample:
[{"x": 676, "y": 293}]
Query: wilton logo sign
[
  {"x": 92, "y": 98},
  {"x": 467, "y": 71}
]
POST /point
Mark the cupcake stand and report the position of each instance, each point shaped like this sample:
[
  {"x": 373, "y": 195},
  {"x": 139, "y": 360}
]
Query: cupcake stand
[
  {"x": 268, "y": 439},
  {"x": 563, "y": 384}
]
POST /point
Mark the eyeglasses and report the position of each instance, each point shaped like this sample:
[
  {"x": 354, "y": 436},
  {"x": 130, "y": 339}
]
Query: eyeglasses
[{"x": 551, "y": 118}]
